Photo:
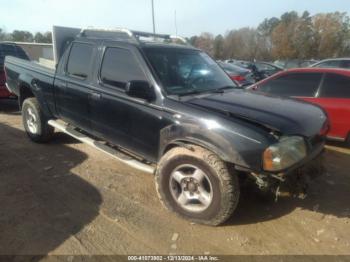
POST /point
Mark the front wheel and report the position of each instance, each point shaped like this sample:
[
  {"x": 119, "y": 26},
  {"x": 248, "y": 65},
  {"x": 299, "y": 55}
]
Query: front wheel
[
  {"x": 196, "y": 184},
  {"x": 35, "y": 122}
]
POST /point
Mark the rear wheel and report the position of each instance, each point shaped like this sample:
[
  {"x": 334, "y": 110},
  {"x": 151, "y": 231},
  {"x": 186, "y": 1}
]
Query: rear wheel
[
  {"x": 35, "y": 122},
  {"x": 197, "y": 185}
]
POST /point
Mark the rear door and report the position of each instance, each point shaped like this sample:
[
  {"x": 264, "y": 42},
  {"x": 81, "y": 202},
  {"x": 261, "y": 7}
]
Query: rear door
[
  {"x": 72, "y": 85},
  {"x": 334, "y": 96}
]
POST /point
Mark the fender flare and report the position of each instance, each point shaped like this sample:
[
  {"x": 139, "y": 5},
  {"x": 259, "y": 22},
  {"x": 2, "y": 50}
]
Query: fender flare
[
  {"x": 26, "y": 81},
  {"x": 187, "y": 142}
]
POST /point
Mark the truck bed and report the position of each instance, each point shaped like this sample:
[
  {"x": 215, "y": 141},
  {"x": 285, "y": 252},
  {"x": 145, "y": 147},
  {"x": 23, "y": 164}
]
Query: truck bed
[{"x": 20, "y": 70}]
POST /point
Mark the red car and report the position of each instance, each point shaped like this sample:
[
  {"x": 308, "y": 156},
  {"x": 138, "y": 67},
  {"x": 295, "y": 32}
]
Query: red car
[
  {"x": 326, "y": 87},
  {"x": 8, "y": 49}
]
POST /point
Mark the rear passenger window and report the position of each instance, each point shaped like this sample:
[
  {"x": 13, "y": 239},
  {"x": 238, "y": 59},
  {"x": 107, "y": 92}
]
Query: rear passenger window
[
  {"x": 119, "y": 66},
  {"x": 336, "y": 86},
  {"x": 79, "y": 61},
  {"x": 297, "y": 84}
]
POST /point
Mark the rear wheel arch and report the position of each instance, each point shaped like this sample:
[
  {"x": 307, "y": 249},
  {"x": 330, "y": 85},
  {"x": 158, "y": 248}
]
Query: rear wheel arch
[{"x": 24, "y": 93}]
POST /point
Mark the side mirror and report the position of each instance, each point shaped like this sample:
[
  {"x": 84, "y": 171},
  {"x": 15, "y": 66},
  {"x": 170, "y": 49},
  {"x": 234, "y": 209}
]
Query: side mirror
[{"x": 140, "y": 89}]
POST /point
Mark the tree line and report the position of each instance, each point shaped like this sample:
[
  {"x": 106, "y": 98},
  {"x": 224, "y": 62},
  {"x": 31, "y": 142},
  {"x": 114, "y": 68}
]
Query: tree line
[
  {"x": 25, "y": 36},
  {"x": 292, "y": 36}
]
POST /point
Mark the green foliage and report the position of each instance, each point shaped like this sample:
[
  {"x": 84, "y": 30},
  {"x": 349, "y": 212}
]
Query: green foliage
[
  {"x": 43, "y": 38},
  {"x": 25, "y": 36},
  {"x": 219, "y": 47},
  {"x": 22, "y": 36}
]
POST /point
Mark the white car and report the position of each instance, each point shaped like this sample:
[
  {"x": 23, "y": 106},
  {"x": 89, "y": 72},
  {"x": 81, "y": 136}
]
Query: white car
[{"x": 333, "y": 63}]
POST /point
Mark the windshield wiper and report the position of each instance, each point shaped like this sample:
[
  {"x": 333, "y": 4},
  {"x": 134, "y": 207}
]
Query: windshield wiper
[
  {"x": 194, "y": 92},
  {"x": 222, "y": 89},
  {"x": 217, "y": 90}
]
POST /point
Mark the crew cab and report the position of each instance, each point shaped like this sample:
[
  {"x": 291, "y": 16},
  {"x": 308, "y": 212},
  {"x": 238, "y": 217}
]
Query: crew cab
[{"x": 169, "y": 109}]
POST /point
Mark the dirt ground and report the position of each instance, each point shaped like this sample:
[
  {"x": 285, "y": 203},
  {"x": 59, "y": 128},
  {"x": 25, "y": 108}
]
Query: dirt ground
[{"x": 66, "y": 198}]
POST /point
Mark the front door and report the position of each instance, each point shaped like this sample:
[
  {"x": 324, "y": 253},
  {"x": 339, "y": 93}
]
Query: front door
[{"x": 131, "y": 123}]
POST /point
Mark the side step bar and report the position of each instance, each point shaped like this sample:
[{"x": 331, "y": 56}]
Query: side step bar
[{"x": 128, "y": 160}]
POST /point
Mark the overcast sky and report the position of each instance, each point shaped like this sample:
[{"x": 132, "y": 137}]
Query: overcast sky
[{"x": 193, "y": 16}]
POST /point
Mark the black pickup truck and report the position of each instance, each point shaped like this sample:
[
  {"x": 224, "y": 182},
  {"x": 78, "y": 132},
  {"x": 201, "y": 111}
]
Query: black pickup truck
[{"x": 169, "y": 109}]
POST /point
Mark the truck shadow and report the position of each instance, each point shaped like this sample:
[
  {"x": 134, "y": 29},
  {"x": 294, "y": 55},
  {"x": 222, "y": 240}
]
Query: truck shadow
[
  {"x": 10, "y": 107},
  {"x": 62, "y": 138},
  {"x": 327, "y": 195},
  {"x": 43, "y": 203}
]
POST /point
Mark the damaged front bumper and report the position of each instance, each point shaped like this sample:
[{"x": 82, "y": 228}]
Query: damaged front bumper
[{"x": 293, "y": 182}]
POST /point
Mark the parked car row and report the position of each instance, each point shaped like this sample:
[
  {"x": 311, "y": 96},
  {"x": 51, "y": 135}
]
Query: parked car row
[
  {"x": 8, "y": 49},
  {"x": 242, "y": 76},
  {"x": 294, "y": 63},
  {"x": 328, "y": 88},
  {"x": 333, "y": 63},
  {"x": 325, "y": 83},
  {"x": 246, "y": 73},
  {"x": 321, "y": 85}
]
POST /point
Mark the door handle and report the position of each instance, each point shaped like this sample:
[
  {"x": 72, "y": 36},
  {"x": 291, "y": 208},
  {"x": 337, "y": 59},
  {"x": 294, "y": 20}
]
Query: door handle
[
  {"x": 95, "y": 96},
  {"x": 35, "y": 84}
]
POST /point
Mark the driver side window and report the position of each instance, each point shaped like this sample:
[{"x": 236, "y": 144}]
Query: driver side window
[{"x": 120, "y": 66}]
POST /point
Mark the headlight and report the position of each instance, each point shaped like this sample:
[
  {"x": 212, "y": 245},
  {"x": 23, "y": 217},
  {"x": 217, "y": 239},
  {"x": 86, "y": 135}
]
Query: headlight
[{"x": 288, "y": 151}]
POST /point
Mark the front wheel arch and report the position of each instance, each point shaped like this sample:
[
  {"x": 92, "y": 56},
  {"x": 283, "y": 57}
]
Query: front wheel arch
[{"x": 187, "y": 143}]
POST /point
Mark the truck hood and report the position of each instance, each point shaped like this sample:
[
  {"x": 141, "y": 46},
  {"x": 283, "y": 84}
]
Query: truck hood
[{"x": 288, "y": 116}]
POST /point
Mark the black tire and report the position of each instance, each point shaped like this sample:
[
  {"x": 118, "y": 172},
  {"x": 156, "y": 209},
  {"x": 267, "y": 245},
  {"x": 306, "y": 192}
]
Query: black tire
[
  {"x": 224, "y": 184},
  {"x": 347, "y": 141},
  {"x": 42, "y": 132}
]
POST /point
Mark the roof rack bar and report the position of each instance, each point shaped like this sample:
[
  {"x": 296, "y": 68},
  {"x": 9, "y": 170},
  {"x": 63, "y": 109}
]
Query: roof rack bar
[
  {"x": 146, "y": 34},
  {"x": 117, "y": 30},
  {"x": 132, "y": 35},
  {"x": 180, "y": 38}
]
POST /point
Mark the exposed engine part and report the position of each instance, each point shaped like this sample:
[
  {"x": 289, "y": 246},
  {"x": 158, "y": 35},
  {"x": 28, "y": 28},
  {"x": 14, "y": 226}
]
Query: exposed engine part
[
  {"x": 281, "y": 193},
  {"x": 294, "y": 185},
  {"x": 261, "y": 181},
  {"x": 279, "y": 176}
]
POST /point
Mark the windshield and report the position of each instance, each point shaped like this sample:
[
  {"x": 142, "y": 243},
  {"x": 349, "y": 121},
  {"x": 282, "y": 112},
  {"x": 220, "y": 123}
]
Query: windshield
[{"x": 186, "y": 71}]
